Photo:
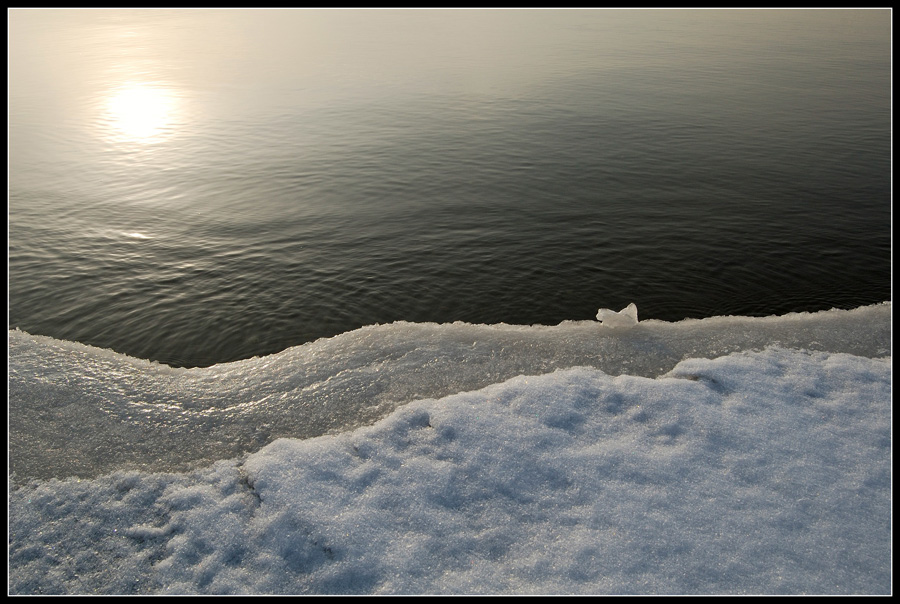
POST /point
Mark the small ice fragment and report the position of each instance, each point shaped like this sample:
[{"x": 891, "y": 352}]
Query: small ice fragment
[{"x": 627, "y": 317}]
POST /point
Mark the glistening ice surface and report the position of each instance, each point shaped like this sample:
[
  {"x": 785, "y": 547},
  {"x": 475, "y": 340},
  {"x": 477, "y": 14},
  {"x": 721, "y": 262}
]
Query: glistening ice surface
[
  {"x": 724, "y": 455},
  {"x": 81, "y": 411}
]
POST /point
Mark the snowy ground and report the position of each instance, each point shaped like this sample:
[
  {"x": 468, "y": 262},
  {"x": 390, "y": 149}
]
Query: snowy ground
[{"x": 759, "y": 469}]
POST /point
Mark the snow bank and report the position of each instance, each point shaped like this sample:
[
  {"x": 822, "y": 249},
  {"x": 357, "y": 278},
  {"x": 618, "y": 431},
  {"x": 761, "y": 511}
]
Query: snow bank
[
  {"x": 756, "y": 471},
  {"x": 80, "y": 411}
]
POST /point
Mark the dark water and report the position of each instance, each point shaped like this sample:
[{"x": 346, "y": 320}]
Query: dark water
[{"x": 197, "y": 187}]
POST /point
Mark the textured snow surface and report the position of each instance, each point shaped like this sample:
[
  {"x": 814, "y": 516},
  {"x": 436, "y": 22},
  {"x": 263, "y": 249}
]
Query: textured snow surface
[{"x": 760, "y": 472}]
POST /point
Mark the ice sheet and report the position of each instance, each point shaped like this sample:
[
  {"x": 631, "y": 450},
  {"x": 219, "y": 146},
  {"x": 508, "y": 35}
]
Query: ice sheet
[
  {"x": 80, "y": 411},
  {"x": 464, "y": 459}
]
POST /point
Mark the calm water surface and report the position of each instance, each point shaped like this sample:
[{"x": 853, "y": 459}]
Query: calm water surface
[{"x": 200, "y": 186}]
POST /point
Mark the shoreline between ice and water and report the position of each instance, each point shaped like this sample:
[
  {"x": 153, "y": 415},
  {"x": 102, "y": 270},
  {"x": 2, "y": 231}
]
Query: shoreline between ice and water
[
  {"x": 718, "y": 456},
  {"x": 76, "y": 410}
]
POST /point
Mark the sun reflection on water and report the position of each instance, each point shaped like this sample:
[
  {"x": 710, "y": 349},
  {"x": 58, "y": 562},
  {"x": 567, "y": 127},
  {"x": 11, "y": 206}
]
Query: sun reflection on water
[{"x": 142, "y": 112}]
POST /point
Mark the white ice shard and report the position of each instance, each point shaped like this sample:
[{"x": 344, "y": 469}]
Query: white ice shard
[{"x": 627, "y": 317}]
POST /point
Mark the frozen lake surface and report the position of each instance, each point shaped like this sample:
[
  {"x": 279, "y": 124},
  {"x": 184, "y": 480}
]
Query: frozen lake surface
[{"x": 723, "y": 455}]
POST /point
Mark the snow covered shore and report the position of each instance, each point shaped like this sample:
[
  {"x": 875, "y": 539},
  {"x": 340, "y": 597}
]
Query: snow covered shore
[{"x": 727, "y": 455}]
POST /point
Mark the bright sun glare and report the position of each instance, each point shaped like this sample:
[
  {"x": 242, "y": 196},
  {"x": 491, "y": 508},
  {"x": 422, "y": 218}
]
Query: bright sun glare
[{"x": 141, "y": 111}]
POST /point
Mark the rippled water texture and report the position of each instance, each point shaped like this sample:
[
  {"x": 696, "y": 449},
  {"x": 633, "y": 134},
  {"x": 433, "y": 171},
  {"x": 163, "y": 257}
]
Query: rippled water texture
[{"x": 201, "y": 186}]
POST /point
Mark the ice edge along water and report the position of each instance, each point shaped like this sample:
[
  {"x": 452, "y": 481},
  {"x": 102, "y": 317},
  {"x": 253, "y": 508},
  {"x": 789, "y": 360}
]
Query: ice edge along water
[
  {"x": 80, "y": 411},
  {"x": 762, "y": 471}
]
